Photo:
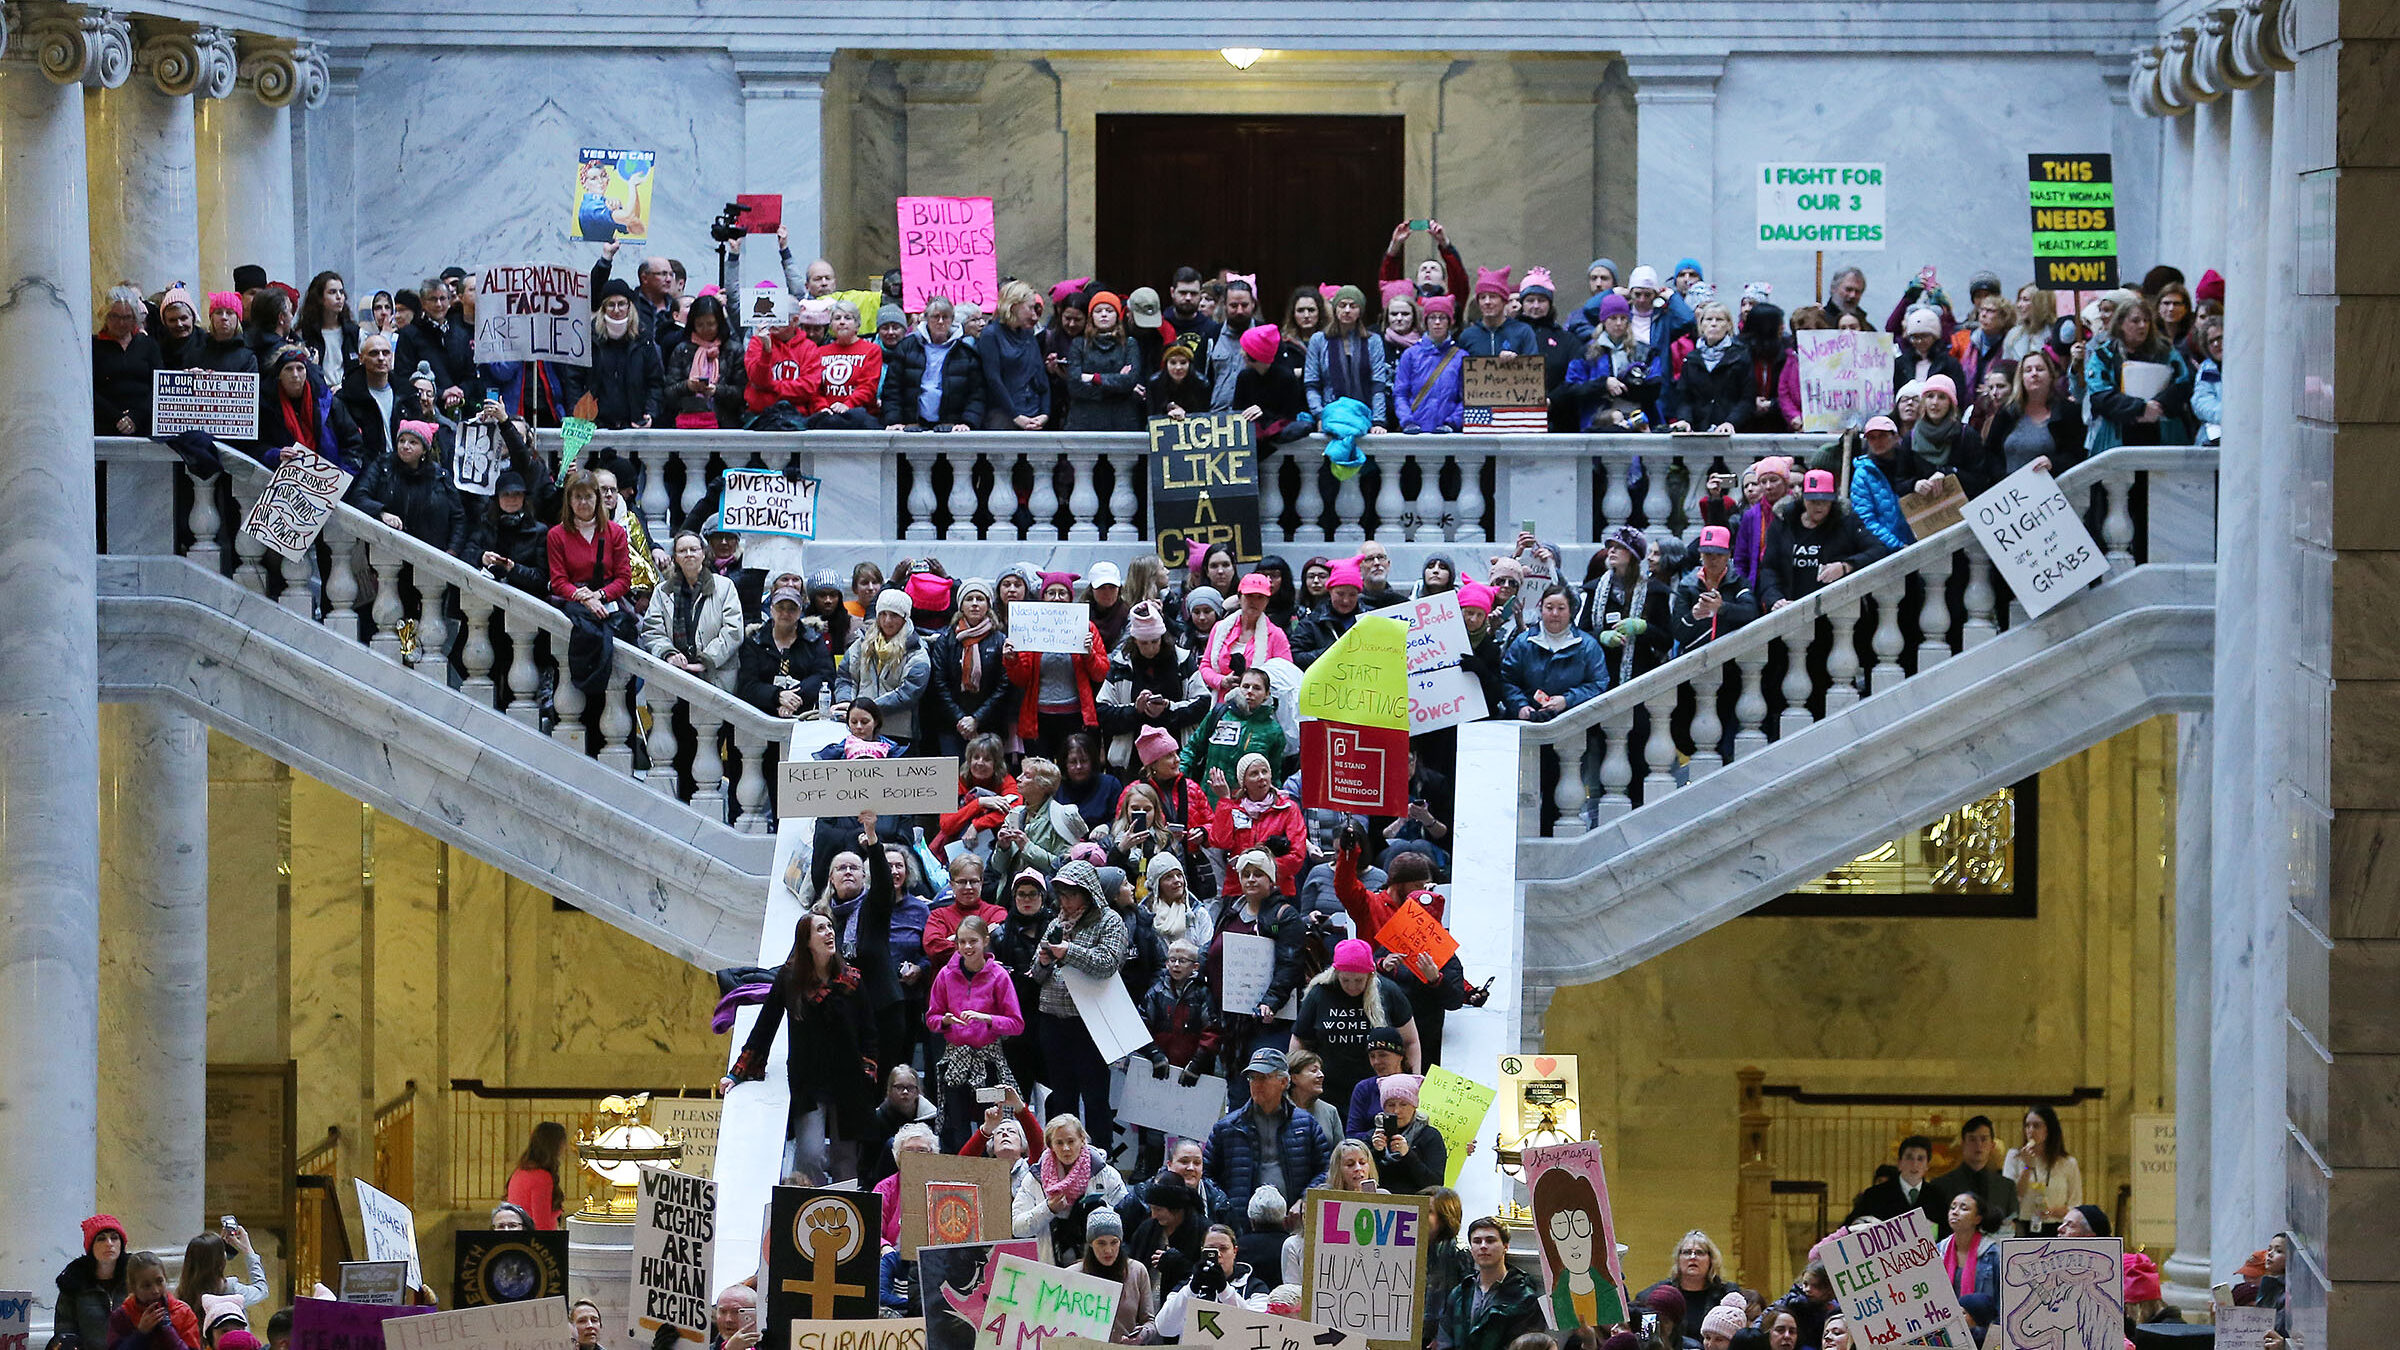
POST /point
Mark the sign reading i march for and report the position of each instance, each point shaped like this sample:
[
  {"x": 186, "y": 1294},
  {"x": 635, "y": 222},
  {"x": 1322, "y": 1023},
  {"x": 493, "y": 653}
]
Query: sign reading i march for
[{"x": 2074, "y": 201}]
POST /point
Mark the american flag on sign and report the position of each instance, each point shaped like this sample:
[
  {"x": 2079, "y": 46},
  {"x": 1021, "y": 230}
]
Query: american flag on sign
[{"x": 1505, "y": 419}]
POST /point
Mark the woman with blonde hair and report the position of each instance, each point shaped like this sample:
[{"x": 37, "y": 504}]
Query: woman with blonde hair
[
  {"x": 1145, "y": 579},
  {"x": 1016, "y": 380},
  {"x": 1699, "y": 1276},
  {"x": 1071, "y": 1168},
  {"x": 2037, "y": 314},
  {"x": 1353, "y": 1168}
]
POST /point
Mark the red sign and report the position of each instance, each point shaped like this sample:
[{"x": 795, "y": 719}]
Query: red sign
[
  {"x": 765, "y": 215},
  {"x": 1350, "y": 768}
]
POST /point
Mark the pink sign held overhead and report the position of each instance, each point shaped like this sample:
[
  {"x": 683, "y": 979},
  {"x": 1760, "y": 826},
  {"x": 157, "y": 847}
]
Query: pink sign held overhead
[{"x": 948, "y": 247}]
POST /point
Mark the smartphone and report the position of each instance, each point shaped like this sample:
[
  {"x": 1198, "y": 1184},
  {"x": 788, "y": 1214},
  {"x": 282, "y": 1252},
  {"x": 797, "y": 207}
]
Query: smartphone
[
  {"x": 1649, "y": 1325},
  {"x": 1140, "y": 820},
  {"x": 1524, "y": 527},
  {"x": 1420, "y": 224},
  {"x": 990, "y": 1096},
  {"x": 226, "y": 1222},
  {"x": 749, "y": 1319}
]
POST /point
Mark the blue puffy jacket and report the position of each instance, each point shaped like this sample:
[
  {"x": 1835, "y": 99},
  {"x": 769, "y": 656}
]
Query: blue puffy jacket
[
  {"x": 1876, "y": 505},
  {"x": 1578, "y": 672},
  {"x": 1233, "y": 1151},
  {"x": 1429, "y": 388}
]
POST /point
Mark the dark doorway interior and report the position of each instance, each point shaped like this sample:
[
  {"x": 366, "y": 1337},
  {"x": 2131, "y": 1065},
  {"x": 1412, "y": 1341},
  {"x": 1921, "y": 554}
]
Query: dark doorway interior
[{"x": 1295, "y": 200}]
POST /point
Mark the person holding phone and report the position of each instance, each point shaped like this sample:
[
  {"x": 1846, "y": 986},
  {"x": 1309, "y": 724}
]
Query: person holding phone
[{"x": 733, "y": 1320}]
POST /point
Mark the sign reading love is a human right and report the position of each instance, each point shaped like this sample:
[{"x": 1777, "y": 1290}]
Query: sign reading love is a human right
[
  {"x": 1364, "y": 1273},
  {"x": 1891, "y": 1284}
]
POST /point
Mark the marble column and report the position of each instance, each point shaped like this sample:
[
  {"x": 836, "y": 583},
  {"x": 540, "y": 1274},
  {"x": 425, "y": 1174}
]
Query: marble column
[
  {"x": 2206, "y": 202},
  {"x": 49, "y": 704},
  {"x": 1675, "y": 157},
  {"x": 154, "y": 968},
  {"x": 141, "y": 161},
  {"x": 2174, "y": 185},
  {"x": 327, "y": 150},
  {"x": 2187, "y": 1277},
  {"x": 245, "y": 167},
  {"x": 783, "y": 139}
]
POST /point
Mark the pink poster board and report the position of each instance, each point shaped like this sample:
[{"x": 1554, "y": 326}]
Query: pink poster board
[{"x": 948, "y": 248}]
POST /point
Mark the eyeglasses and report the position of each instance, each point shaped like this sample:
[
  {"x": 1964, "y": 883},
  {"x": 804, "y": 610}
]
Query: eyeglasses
[{"x": 1570, "y": 1223}]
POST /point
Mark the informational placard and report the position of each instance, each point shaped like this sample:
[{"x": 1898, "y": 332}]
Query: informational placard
[
  {"x": 674, "y": 1233},
  {"x": 1441, "y": 692},
  {"x": 2244, "y": 1328},
  {"x": 16, "y": 1318},
  {"x": 947, "y": 1200},
  {"x": 1362, "y": 679},
  {"x": 1203, "y": 486},
  {"x": 1455, "y": 1106},
  {"x": 2151, "y": 1221},
  {"x": 2074, "y": 200},
  {"x": 2059, "y": 1293},
  {"x": 1246, "y": 969},
  {"x": 887, "y": 787},
  {"x": 954, "y": 1283},
  {"x": 770, "y": 503},
  {"x": 1544, "y": 1093},
  {"x": 1504, "y": 396},
  {"x": 390, "y": 1230},
  {"x": 1892, "y": 1288},
  {"x": 1050, "y": 626},
  {"x": 534, "y": 312},
  {"x": 477, "y": 458},
  {"x": 299, "y": 499},
  {"x": 2036, "y": 540},
  {"x": 868, "y": 1333},
  {"x": 1232, "y": 1328},
  {"x": 694, "y": 1121},
  {"x": 538, "y": 1324},
  {"x": 223, "y": 404},
  {"x": 1030, "y": 1301},
  {"x": 507, "y": 1266},
  {"x": 762, "y": 213},
  {"x": 252, "y": 1134},
  {"x": 1360, "y": 770},
  {"x": 1804, "y": 207},
  {"x": 612, "y": 195},
  {"x": 948, "y": 247},
  {"x": 1412, "y": 930},
  {"x": 1108, "y": 1014},
  {"x": 1363, "y": 1272},
  {"x": 323, "y": 1324},
  {"x": 1166, "y": 1104},
  {"x": 823, "y": 1251},
  {"x": 1845, "y": 378},
  {"x": 1577, "y": 1231},
  {"x": 382, "y": 1283}
]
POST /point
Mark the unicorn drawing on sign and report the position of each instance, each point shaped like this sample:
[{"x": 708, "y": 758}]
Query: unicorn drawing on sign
[{"x": 2061, "y": 1300}]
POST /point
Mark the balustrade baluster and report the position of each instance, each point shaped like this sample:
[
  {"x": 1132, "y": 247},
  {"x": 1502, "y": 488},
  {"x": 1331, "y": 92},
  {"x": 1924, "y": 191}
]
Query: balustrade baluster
[
  {"x": 475, "y": 653},
  {"x": 1270, "y": 500},
  {"x": 1312, "y": 504},
  {"x": 751, "y": 790},
  {"x": 1750, "y": 708},
  {"x": 920, "y": 495},
  {"x": 708, "y": 766},
  {"x": 616, "y": 720},
  {"x": 1656, "y": 513},
  {"x": 962, "y": 495},
  {"x": 1658, "y": 751},
  {"x": 384, "y": 615},
  {"x": 524, "y": 678},
  {"x": 2116, "y": 528},
  {"x": 1616, "y": 765},
  {"x": 299, "y": 585},
  {"x": 1083, "y": 496},
  {"x": 1350, "y": 510},
  {"x": 1429, "y": 508},
  {"x": 1044, "y": 502},
  {"x": 1569, "y": 796},
  {"x": 249, "y": 568},
  {"x": 1122, "y": 508},
  {"x": 1933, "y": 613},
  {"x": 1888, "y": 640},
  {"x": 1978, "y": 628},
  {"x": 205, "y": 520},
  {"x": 1388, "y": 502},
  {"x": 568, "y": 700},
  {"x": 433, "y": 630},
  {"x": 657, "y": 511},
  {"x": 1841, "y": 660},
  {"x": 1798, "y": 683},
  {"x": 341, "y": 583},
  {"x": 1616, "y": 503},
  {"x": 1467, "y": 518},
  {"x": 1708, "y": 729},
  {"x": 661, "y": 739}
]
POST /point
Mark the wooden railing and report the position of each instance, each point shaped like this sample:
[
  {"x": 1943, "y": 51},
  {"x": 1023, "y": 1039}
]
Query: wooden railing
[
  {"x": 396, "y": 1147},
  {"x": 320, "y": 1242}
]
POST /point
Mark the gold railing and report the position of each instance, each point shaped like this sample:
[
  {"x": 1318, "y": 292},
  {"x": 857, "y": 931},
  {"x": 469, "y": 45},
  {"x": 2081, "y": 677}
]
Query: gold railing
[
  {"x": 319, "y": 1242},
  {"x": 395, "y": 1166},
  {"x": 489, "y": 1127},
  {"x": 1803, "y": 1155}
]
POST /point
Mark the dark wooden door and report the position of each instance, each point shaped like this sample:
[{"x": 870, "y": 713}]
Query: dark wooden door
[{"x": 1295, "y": 200}]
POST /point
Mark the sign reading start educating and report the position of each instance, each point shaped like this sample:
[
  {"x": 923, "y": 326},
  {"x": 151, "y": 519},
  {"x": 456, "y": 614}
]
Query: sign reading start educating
[
  {"x": 2074, "y": 221},
  {"x": 1819, "y": 206}
]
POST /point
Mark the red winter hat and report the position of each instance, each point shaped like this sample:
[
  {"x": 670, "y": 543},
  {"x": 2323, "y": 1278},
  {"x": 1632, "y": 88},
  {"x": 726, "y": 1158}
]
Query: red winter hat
[
  {"x": 2141, "y": 1278},
  {"x": 1492, "y": 281},
  {"x": 94, "y": 1226}
]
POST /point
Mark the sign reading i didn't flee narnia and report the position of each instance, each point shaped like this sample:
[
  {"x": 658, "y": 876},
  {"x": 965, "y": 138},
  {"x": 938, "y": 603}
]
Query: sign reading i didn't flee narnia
[
  {"x": 1890, "y": 1281},
  {"x": 1819, "y": 206},
  {"x": 2074, "y": 200}
]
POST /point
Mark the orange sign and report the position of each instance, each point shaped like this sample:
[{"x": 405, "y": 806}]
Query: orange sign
[{"x": 1413, "y": 931}]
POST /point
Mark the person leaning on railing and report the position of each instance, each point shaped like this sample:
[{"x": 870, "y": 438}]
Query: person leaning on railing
[{"x": 1553, "y": 665}]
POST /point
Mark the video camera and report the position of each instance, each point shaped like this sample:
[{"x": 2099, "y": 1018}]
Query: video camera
[{"x": 728, "y": 227}]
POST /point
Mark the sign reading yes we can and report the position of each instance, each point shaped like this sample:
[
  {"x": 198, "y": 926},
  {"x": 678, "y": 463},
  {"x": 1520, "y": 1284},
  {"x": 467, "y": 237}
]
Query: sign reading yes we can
[{"x": 1818, "y": 206}]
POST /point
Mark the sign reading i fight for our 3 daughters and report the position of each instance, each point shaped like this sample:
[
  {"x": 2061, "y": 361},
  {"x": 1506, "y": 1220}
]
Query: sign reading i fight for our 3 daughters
[{"x": 1820, "y": 206}]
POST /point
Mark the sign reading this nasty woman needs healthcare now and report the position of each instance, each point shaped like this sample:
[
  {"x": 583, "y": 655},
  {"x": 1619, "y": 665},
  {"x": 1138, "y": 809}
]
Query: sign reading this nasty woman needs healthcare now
[
  {"x": 1820, "y": 206},
  {"x": 1364, "y": 1272},
  {"x": 948, "y": 247},
  {"x": 2074, "y": 199},
  {"x": 2036, "y": 540}
]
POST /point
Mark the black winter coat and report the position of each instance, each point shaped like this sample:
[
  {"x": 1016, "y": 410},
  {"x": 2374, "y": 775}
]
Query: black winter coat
[
  {"x": 1608, "y": 603},
  {"x": 1316, "y": 632},
  {"x": 1167, "y": 675},
  {"x": 423, "y": 497},
  {"x": 522, "y": 539},
  {"x": 337, "y": 435},
  {"x": 1740, "y": 606},
  {"x": 226, "y": 358},
  {"x": 1707, "y": 398},
  {"x": 121, "y": 382},
  {"x": 807, "y": 661},
  {"x": 904, "y": 378},
  {"x": 831, "y": 1054},
  {"x": 1907, "y": 365},
  {"x": 1794, "y": 551},
  {"x": 626, "y": 378},
  {"x": 85, "y": 1302},
  {"x": 375, "y": 434},
  {"x": 990, "y": 706},
  {"x": 448, "y": 348},
  {"x": 724, "y": 397}
]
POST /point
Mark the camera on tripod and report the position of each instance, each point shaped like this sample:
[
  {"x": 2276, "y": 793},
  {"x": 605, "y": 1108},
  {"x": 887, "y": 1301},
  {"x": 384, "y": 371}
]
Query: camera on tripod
[{"x": 728, "y": 227}]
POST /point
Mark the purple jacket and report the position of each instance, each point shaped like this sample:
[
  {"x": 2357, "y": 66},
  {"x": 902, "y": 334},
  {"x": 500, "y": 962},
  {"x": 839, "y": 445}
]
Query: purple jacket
[
  {"x": 1440, "y": 374},
  {"x": 1750, "y": 541},
  {"x": 987, "y": 991}
]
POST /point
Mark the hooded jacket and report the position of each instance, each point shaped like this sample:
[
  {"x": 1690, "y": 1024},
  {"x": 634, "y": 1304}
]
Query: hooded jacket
[
  {"x": 422, "y": 496},
  {"x": 949, "y": 702},
  {"x": 627, "y": 378},
  {"x": 781, "y": 368},
  {"x": 1739, "y": 607},
  {"x": 1428, "y": 390},
  {"x": 1795, "y": 550},
  {"x": 1577, "y": 672},
  {"x": 86, "y": 1302}
]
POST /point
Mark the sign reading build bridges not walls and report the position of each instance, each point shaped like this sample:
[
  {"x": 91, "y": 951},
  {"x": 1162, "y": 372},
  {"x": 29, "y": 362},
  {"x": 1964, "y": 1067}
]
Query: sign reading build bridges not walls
[{"x": 2074, "y": 201}]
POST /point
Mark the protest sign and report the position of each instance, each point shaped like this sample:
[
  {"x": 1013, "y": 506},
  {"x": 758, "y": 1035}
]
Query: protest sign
[
  {"x": 1542, "y": 1091},
  {"x": 1234, "y": 1328},
  {"x": 382, "y": 1283},
  {"x": 1362, "y": 679},
  {"x": 2244, "y": 1328},
  {"x": 1503, "y": 396},
  {"x": 1892, "y": 1286},
  {"x": 1440, "y": 691},
  {"x": 866, "y": 1333},
  {"x": 1845, "y": 378},
  {"x": 949, "y": 247},
  {"x": 824, "y": 1249},
  {"x": 1203, "y": 487},
  {"x": 299, "y": 499},
  {"x": 763, "y": 213},
  {"x": 1108, "y": 1014},
  {"x": 2036, "y": 540},
  {"x": 955, "y": 1280},
  {"x": 507, "y": 1266},
  {"x": 1455, "y": 1106},
  {"x": 1049, "y": 626},
  {"x": 1412, "y": 930},
  {"x": 16, "y": 1318},
  {"x": 1362, "y": 770},
  {"x": 1165, "y": 1104},
  {"x": 574, "y": 433},
  {"x": 947, "y": 1200},
  {"x": 1820, "y": 206},
  {"x": 775, "y": 554},
  {"x": 674, "y": 1232},
  {"x": 223, "y": 404},
  {"x": 757, "y": 502},
  {"x": 1246, "y": 970},
  {"x": 477, "y": 458},
  {"x": 612, "y": 195},
  {"x": 390, "y": 1229},
  {"x": 1030, "y": 1302},
  {"x": 694, "y": 1121},
  {"x": 1578, "y": 1235},
  {"x": 538, "y": 1324},
  {"x": 2074, "y": 200},
  {"x": 323, "y": 1324},
  {"x": 2152, "y": 1220},
  {"x": 887, "y": 787},
  {"x": 1363, "y": 1272},
  {"x": 534, "y": 312},
  {"x": 2059, "y": 1293}
]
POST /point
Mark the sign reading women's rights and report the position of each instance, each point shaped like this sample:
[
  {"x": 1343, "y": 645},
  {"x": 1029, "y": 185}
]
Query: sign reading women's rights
[
  {"x": 2036, "y": 540},
  {"x": 1203, "y": 486},
  {"x": 757, "y": 502},
  {"x": 948, "y": 247},
  {"x": 391, "y": 1230},
  {"x": 1364, "y": 1272},
  {"x": 299, "y": 499},
  {"x": 1845, "y": 378},
  {"x": 534, "y": 312},
  {"x": 1440, "y": 691},
  {"x": 674, "y": 1232},
  {"x": 2062, "y": 1293},
  {"x": 1892, "y": 1287}
]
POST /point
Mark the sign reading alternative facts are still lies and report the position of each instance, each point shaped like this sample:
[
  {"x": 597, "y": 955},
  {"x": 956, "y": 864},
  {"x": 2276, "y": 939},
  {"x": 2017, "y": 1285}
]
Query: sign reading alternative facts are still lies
[
  {"x": 2074, "y": 221},
  {"x": 1203, "y": 486}
]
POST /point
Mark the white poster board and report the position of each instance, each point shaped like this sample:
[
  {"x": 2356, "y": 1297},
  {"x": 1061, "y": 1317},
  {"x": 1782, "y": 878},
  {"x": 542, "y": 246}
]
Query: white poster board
[
  {"x": 1031, "y": 1301},
  {"x": 674, "y": 1230},
  {"x": 299, "y": 499},
  {"x": 16, "y": 1319},
  {"x": 2060, "y": 1293},
  {"x": 477, "y": 457},
  {"x": 1230, "y": 1328},
  {"x": 887, "y": 787},
  {"x": 775, "y": 554},
  {"x": 1364, "y": 1266},
  {"x": 1890, "y": 1281},
  {"x": 1246, "y": 969},
  {"x": 380, "y": 1284},
  {"x": 1108, "y": 1013},
  {"x": 2036, "y": 540},
  {"x": 1166, "y": 1104},
  {"x": 1845, "y": 378},
  {"x": 758, "y": 502},
  {"x": 2152, "y": 1220},
  {"x": 1441, "y": 693},
  {"x": 534, "y": 312},
  {"x": 1802, "y": 207},
  {"x": 2244, "y": 1328},
  {"x": 222, "y": 403},
  {"x": 536, "y": 1324},
  {"x": 1050, "y": 626},
  {"x": 694, "y": 1121},
  {"x": 390, "y": 1229}
]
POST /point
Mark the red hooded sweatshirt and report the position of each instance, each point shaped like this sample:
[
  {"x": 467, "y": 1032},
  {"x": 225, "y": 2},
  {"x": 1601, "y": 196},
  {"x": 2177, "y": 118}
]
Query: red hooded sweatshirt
[
  {"x": 180, "y": 1330},
  {"x": 782, "y": 369}
]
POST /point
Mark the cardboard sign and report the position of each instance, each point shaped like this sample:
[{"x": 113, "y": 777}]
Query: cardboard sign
[
  {"x": 1441, "y": 693},
  {"x": 1246, "y": 970},
  {"x": 1362, "y": 679},
  {"x": 1108, "y": 1014},
  {"x": 1361, "y": 770},
  {"x": 1050, "y": 626},
  {"x": 390, "y": 1230},
  {"x": 322, "y": 1324},
  {"x": 534, "y": 312},
  {"x": 1455, "y": 1106},
  {"x": 1819, "y": 206},
  {"x": 225, "y": 405},
  {"x": 769, "y": 503},
  {"x": 1412, "y": 930},
  {"x": 765, "y": 215},
  {"x": 694, "y": 1121},
  {"x": 477, "y": 458},
  {"x": 775, "y": 554},
  {"x": 1890, "y": 1281},
  {"x": 493, "y": 1266},
  {"x": 2244, "y": 1328},
  {"x": 2061, "y": 1293},
  {"x": 887, "y": 787},
  {"x": 674, "y": 1232},
  {"x": 1544, "y": 1092},
  {"x": 299, "y": 499},
  {"x": 1504, "y": 396},
  {"x": 16, "y": 1318},
  {"x": 1165, "y": 1104},
  {"x": 948, "y": 1201},
  {"x": 868, "y": 1333},
  {"x": 2074, "y": 200},
  {"x": 540, "y": 1324},
  {"x": 1578, "y": 1234},
  {"x": 2036, "y": 540},
  {"x": 2151, "y": 1223},
  {"x": 949, "y": 247},
  {"x": 1030, "y": 1302},
  {"x": 1203, "y": 487},
  {"x": 382, "y": 1283},
  {"x": 824, "y": 1249},
  {"x": 1231, "y": 1328},
  {"x": 1845, "y": 378},
  {"x": 1364, "y": 1269},
  {"x": 612, "y": 195},
  {"x": 954, "y": 1283}
]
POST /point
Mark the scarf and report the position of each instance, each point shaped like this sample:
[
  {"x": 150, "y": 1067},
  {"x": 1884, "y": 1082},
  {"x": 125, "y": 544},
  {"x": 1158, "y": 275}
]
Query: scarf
[
  {"x": 1960, "y": 1262},
  {"x": 1403, "y": 340},
  {"x": 883, "y": 656},
  {"x": 687, "y": 617},
  {"x": 970, "y": 652},
  {"x": 612, "y": 330},
  {"x": 1171, "y": 920},
  {"x": 1347, "y": 372},
  {"x": 300, "y": 420},
  {"x": 1934, "y": 441},
  {"x": 705, "y": 362},
  {"x": 1712, "y": 354},
  {"x": 1223, "y": 639},
  {"x": 1072, "y": 1185}
]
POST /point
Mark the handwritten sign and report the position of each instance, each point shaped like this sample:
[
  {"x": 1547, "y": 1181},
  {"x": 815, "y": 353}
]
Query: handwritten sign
[
  {"x": 2244, "y": 1328},
  {"x": 1050, "y": 626},
  {"x": 770, "y": 503},
  {"x": 695, "y": 1120},
  {"x": 1364, "y": 1269},
  {"x": 864, "y": 1333},
  {"x": 2152, "y": 1221},
  {"x": 1845, "y": 378},
  {"x": 946, "y": 1200},
  {"x": 1235, "y": 1328},
  {"x": 1504, "y": 396},
  {"x": 223, "y": 404},
  {"x": 954, "y": 1283},
  {"x": 1577, "y": 1231},
  {"x": 391, "y": 1230},
  {"x": 1441, "y": 693},
  {"x": 1821, "y": 206},
  {"x": 1455, "y": 1106},
  {"x": 1031, "y": 1301},
  {"x": 539, "y": 1324},
  {"x": 1203, "y": 486},
  {"x": 2074, "y": 201},
  {"x": 887, "y": 787},
  {"x": 2060, "y": 1293},
  {"x": 1166, "y": 1104},
  {"x": 1892, "y": 1287},
  {"x": 2036, "y": 540},
  {"x": 299, "y": 499},
  {"x": 1108, "y": 1014},
  {"x": 476, "y": 458},
  {"x": 674, "y": 1233},
  {"x": 323, "y": 1324},
  {"x": 1246, "y": 970},
  {"x": 1412, "y": 931},
  {"x": 16, "y": 1318},
  {"x": 383, "y": 1283},
  {"x": 948, "y": 247},
  {"x": 1362, "y": 679},
  {"x": 534, "y": 312}
]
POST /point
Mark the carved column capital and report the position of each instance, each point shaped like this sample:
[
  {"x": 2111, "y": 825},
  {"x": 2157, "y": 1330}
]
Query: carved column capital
[
  {"x": 71, "y": 44},
  {"x": 183, "y": 59}
]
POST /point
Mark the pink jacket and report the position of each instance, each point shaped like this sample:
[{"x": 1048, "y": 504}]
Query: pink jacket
[
  {"x": 1267, "y": 643},
  {"x": 987, "y": 991},
  {"x": 1787, "y": 388}
]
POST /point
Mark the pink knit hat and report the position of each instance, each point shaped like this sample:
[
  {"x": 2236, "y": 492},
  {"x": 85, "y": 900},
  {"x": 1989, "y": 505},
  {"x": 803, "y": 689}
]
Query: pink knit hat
[
  {"x": 1538, "y": 279},
  {"x": 1492, "y": 281},
  {"x": 928, "y": 591},
  {"x": 423, "y": 431},
  {"x": 224, "y": 300},
  {"x": 1153, "y": 744},
  {"x": 1394, "y": 290},
  {"x": 1439, "y": 304},
  {"x": 1941, "y": 382},
  {"x": 1345, "y": 573},
  {"x": 177, "y": 295},
  {"x": 1260, "y": 341},
  {"x": 1070, "y": 287},
  {"x": 1353, "y": 956},
  {"x": 1726, "y": 1318},
  {"x": 1145, "y": 622},
  {"x": 1328, "y": 290},
  {"x": 1476, "y": 595}
]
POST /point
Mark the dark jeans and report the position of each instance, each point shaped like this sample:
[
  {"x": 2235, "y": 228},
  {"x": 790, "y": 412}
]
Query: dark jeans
[{"x": 1078, "y": 1077}]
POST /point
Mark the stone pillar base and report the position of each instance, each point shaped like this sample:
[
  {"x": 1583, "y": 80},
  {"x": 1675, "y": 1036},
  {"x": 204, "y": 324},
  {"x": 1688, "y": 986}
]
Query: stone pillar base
[{"x": 600, "y": 1268}]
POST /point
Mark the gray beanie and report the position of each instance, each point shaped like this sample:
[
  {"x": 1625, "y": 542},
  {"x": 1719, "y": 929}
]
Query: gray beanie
[
  {"x": 1267, "y": 1208},
  {"x": 890, "y": 313},
  {"x": 1112, "y": 881},
  {"x": 1103, "y": 1222}
]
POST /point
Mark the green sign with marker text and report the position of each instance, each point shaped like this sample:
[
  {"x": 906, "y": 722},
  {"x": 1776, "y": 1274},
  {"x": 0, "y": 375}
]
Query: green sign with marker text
[{"x": 2074, "y": 221}]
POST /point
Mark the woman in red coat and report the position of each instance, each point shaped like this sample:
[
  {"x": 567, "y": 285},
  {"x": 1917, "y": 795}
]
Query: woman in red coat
[
  {"x": 1258, "y": 815},
  {"x": 1061, "y": 689}
]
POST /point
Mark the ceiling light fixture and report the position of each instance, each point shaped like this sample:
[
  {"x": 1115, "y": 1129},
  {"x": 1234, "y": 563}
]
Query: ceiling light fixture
[{"x": 1241, "y": 58}]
